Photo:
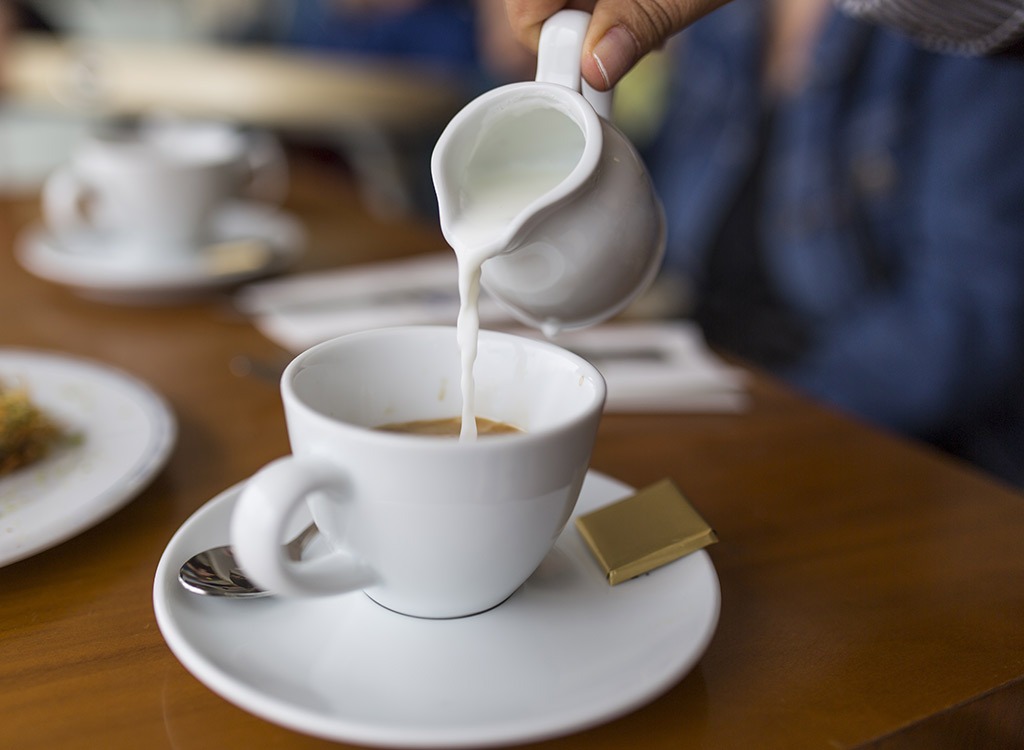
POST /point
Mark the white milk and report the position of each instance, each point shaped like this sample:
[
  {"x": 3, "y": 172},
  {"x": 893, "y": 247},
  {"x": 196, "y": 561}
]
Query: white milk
[
  {"x": 510, "y": 157},
  {"x": 489, "y": 204}
]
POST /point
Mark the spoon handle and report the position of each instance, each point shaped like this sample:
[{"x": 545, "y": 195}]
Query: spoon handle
[
  {"x": 215, "y": 572},
  {"x": 298, "y": 545}
]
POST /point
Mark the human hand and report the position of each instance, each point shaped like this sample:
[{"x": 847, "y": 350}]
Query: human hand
[{"x": 620, "y": 33}]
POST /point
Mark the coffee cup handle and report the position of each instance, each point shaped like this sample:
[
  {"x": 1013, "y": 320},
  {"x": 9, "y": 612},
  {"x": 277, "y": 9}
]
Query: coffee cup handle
[
  {"x": 259, "y": 521},
  {"x": 558, "y": 57},
  {"x": 64, "y": 195}
]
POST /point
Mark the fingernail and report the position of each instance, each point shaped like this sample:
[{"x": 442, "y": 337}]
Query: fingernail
[{"x": 615, "y": 54}]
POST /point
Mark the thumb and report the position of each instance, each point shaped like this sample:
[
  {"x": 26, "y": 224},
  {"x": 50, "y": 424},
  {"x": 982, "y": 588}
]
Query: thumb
[{"x": 623, "y": 31}]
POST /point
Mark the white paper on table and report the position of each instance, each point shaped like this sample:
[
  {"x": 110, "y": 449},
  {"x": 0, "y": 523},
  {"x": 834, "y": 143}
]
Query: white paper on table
[
  {"x": 650, "y": 366},
  {"x": 301, "y": 310},
  {"x": 655, "y": 366}
]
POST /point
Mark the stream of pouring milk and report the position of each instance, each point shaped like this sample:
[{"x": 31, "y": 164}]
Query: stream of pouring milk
[
  {"x": 477, "y": 234},
  {"x": 518, "y": 154}
]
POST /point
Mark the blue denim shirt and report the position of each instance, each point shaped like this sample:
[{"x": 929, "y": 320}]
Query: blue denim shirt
[
  {"x": 892, "y": 226},
  {"x": 441, "y": 31}
]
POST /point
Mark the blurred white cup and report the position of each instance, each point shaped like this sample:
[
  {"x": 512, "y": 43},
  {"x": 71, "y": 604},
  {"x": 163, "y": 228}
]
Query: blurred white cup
[{"x": 158, "y": 189}]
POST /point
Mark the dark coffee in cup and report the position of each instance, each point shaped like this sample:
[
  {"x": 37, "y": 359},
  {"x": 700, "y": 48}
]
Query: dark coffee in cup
[{"x": 449, "y": 427}]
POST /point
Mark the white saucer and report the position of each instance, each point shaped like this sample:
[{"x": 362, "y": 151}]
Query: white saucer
[
  {"x": 565, "y": 652},
  {"x": 123, "y": 435},
  {"x": 249, "y": 240}
]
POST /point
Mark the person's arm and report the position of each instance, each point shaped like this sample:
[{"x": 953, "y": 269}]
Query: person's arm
[
  {"x": 970, "y": 27},
  {"x": 623, "y": 31}
]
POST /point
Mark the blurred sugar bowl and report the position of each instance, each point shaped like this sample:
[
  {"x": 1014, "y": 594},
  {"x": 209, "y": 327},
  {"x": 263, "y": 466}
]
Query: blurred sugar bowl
[{"x": 155, "y": 190}]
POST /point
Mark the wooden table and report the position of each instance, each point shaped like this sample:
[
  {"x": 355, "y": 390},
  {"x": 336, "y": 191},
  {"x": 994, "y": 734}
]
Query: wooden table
[{"x": 872, "y": 589}]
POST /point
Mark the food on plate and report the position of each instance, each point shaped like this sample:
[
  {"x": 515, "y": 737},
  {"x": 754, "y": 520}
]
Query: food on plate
[{"x": 26, "y": 432}]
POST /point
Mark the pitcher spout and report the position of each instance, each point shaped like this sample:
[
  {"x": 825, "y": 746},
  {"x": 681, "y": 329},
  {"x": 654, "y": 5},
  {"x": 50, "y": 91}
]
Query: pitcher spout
[{"x": 507, "y": 157}]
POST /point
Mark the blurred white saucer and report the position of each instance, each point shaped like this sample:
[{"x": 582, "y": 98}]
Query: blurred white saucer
[{"x": 250, "y": 240}]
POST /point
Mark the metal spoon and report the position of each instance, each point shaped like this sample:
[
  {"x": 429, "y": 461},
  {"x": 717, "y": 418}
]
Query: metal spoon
[{"x": 214, "y": 572}]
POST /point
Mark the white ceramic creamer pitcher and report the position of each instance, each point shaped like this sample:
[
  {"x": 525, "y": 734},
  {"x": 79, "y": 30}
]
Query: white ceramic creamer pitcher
[{"x": 533, "y": 179}]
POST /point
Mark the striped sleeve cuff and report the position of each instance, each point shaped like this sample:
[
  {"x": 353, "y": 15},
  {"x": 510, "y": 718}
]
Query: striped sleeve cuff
[{"x": 968, "y": 27}]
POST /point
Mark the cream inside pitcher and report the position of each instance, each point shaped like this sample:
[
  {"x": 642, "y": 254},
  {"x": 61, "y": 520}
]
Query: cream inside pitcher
[{"x": 543, "y": 199}]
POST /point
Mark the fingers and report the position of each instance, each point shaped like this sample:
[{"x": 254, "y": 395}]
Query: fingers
[
  {"x": 501, "y": 53},
  {"x": 527, "y": 16},
  {"x": 623, "y": 31},
  {"x": 620, "y": 33}
]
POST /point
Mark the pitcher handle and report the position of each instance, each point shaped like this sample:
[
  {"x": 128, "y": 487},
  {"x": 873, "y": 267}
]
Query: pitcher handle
[{"x": 558, "y": 57}]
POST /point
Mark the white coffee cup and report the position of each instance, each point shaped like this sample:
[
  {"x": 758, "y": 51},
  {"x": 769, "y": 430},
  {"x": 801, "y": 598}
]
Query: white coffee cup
[
  {"x": 427, "y": 526},
  {"x": 153, "y": 190}
]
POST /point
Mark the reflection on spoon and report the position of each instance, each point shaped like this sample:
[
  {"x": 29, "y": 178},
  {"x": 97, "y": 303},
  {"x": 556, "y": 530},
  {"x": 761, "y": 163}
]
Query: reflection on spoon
[{"x": 215, "y": 572}]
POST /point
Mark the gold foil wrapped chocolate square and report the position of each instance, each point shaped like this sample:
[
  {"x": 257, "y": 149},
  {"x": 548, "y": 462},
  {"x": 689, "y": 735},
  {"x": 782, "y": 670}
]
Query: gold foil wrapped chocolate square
[{"x": 644, "y": 531}]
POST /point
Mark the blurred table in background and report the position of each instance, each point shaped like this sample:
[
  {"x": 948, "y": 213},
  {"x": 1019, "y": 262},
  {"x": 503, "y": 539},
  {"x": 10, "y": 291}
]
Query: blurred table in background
[
  {"x": 383, "y": 116},
  {"x": 258, "y": 85},
  {"x": 872, "y": 589}
]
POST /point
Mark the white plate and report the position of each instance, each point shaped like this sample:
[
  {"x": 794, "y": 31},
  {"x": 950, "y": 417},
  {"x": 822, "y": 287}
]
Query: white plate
[
  {"x": 565, "y": 652},
  {"x": 124, "y": 433},
  {"x": 250, "y": 240}
]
